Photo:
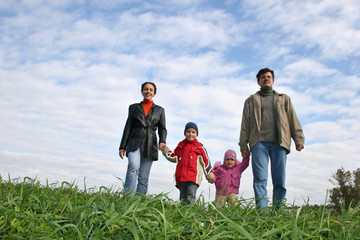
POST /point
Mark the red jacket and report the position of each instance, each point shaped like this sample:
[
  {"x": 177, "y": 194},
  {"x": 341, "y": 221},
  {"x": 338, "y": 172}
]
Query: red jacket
[{"x": 191, "y": 157}]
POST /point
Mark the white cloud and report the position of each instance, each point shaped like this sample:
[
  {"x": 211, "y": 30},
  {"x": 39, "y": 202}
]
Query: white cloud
[
  {"x": 327, "y": 25},
  {"x": 309, "y": 68},
  {"x": 336, "y": 131}
]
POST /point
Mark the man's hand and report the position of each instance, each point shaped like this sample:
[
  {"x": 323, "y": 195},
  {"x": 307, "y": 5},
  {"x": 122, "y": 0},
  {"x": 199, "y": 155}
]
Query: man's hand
[
  {"x": 245, "y": 153},
  {"x": 299, "y": 147}
]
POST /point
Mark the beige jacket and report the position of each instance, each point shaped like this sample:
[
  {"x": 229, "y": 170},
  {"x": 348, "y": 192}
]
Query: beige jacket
[{"x": 288, "y": 125}]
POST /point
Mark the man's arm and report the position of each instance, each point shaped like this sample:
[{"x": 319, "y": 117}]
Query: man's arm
[{"x": 297, "y": 133}]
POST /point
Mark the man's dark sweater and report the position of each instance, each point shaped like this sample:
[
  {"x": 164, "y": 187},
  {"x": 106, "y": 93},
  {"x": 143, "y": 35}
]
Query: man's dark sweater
[{"x": 268, "y": 131}]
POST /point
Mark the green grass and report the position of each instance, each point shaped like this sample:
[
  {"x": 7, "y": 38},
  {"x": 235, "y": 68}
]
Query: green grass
[{"x": 30, "y": 210}]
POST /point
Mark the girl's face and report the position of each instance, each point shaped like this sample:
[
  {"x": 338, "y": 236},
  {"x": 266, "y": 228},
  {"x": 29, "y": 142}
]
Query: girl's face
[
  {"x": 148, "y": 91},
  {"x": 229, "y": 162},
  {"x": 190, "y": 134}
]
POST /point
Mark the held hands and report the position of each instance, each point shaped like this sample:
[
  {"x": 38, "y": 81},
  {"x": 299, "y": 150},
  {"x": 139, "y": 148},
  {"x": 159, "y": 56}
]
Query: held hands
[
  {"x": 245, "y": 153},
  {"x": 162, "y": 146},
  {"x": 211, "y": 178}
]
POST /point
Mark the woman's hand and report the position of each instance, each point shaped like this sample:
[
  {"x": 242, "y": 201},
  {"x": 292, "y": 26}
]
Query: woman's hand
[
  {"x": 162, "y": 146},
  {"x": 122, "y": 153}
]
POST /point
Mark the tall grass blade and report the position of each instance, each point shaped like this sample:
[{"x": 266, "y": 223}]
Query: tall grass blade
[{"x": 238, "y": 228}]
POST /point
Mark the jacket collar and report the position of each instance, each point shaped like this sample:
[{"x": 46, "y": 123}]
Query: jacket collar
[
  {"x": 195, "y": 143},
  {"x": 275, "y": 93},
  {"x": 141, "y": 109}
]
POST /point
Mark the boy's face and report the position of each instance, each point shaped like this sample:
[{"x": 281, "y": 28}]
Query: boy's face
[
  {"x": 229, "y": 162},
  {"x": 190, "y": 134},
  {"x": 266, "y": 80}
]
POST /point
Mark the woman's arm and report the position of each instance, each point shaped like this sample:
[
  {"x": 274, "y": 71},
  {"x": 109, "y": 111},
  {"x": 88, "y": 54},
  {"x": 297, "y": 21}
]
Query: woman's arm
[{"x": 126, "y": 133}]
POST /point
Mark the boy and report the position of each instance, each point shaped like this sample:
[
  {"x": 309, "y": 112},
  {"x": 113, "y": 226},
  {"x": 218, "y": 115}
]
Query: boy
[{"x": 191, "y": 157}]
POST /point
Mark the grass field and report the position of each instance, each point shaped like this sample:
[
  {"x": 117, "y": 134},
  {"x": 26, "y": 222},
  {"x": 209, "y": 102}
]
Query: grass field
[{"x": 30, "y": 210}]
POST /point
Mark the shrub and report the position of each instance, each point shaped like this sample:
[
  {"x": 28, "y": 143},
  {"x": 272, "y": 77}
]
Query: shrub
[{"x": 346, "y": 192}]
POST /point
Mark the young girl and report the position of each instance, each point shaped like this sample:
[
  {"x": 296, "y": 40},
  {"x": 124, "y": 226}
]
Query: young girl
[
  {"x": 191, "y": 157},
  {"x": 227, "y": 178}
]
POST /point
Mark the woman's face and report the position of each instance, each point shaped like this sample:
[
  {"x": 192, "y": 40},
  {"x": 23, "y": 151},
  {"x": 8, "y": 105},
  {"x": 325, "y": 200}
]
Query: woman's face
[{"x": 148, "y": 91}]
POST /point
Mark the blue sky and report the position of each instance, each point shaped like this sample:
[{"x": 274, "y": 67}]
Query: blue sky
[{"x": 69, "y": 70}]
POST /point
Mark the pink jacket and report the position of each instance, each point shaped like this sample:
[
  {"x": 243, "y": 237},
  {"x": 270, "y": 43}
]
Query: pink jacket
[{"x": 227, "y": 180}]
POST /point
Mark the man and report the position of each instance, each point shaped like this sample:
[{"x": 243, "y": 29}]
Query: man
[{"x": 268, "y": 123}]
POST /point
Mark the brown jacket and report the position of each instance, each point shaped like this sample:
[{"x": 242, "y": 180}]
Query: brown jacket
[{"x": 287, "y": 123}]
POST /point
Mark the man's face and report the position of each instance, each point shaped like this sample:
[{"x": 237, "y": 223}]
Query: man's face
[{"x": 266, "y": 80}]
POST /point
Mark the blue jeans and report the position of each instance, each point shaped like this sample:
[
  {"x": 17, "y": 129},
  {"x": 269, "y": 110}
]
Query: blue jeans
[
  {"x": 261, "y": 152},
  {"x": 138, "y": 171}
]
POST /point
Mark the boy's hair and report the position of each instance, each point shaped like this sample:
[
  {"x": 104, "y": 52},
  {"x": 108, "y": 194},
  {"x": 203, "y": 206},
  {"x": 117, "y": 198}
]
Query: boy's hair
[
  {"x": 143, "y": 85},
  {"x": 264, "y": 70}
]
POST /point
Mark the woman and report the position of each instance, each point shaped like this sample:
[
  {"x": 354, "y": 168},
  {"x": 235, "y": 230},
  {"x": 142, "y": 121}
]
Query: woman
[{"x": 139, "y": 140}]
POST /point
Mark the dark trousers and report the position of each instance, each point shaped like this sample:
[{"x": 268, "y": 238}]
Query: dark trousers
[{"x": 188, "y": 192}]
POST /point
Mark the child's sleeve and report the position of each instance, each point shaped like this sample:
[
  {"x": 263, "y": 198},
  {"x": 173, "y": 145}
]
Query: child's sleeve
[
  {"x": 170, "y": 155},
  {"x": 206, "y": 165},
  {"x": 217, "y": 170},
  {"x": 244, "y": 164}
]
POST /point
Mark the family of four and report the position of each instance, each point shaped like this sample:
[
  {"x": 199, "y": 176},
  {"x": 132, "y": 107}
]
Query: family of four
[{"x": 269, "y": 122}]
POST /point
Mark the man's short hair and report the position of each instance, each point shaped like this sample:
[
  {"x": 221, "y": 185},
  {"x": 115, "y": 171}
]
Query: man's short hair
[{"x": 264, "y": 70}]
